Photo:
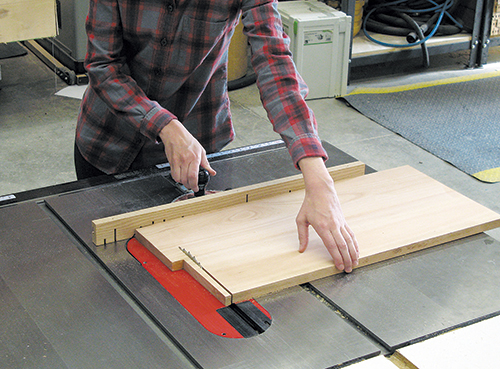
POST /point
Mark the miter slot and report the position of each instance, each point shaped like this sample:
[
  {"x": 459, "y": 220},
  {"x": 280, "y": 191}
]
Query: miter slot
[
  {"x": 348, "y": 318},
  {"x": 246, "y": 318}
]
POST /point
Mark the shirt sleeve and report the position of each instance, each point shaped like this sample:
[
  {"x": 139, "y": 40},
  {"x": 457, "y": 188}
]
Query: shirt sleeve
[
  {"x": 108, "y": 74},
  {"x": 282, "y": 89}
]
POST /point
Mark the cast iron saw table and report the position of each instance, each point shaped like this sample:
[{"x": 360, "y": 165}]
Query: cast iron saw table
[{"x": 66, "y": 303}]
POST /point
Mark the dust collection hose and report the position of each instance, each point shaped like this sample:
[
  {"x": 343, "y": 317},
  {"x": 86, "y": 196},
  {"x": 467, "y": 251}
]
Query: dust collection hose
[{"x": 417, "y": 20}]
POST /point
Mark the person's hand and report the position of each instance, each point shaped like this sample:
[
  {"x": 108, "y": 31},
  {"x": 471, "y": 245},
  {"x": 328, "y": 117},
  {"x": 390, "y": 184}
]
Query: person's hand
[
  {"x": 321, "y": 209},
  {"x": 185, "y": 154}
]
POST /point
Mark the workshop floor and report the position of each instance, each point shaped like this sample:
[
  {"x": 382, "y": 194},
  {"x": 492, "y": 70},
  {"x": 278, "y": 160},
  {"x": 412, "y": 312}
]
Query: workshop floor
[{"x": 37, "y": 126}]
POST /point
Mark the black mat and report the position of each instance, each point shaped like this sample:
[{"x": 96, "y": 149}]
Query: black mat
[
  {"x": 11, "y": 50},
  {"x": 457, "y": 119}
]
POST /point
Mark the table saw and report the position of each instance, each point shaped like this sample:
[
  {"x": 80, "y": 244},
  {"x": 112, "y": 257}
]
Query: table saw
[{"x": 67, "y": 303}]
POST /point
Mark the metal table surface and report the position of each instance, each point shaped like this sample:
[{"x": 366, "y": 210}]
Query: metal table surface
[
  {"x": 59, "y": 311},
  {"x": 71, "y": 304}
]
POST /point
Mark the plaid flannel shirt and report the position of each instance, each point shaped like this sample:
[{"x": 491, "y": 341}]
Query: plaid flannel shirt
[{"x": 151, "y": 61}]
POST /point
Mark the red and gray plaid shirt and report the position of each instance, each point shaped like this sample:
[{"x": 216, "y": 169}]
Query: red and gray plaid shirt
[{"x": 151, "y": 61}]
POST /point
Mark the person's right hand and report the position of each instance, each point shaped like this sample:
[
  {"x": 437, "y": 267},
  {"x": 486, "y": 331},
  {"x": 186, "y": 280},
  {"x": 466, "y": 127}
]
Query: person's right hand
[
  {"x": 321, "y": 209},
  {"x": 185, "y": 154}
]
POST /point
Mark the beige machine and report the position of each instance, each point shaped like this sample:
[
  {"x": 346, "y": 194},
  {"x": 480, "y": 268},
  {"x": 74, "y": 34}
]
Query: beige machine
[{"x": 320, "y": 42}]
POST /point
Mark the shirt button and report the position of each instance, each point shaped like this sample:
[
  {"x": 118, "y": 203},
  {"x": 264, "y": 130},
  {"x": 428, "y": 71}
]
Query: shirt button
[
  {"x": 157, "y": 72},
  {"x": 163, "y": 42},
  {"x": 170, "y": 8}
]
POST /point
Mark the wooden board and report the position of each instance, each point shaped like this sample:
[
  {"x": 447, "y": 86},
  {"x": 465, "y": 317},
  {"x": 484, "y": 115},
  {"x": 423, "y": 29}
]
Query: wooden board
[
  {"x": 250, "y": 249},
  {"x": 27, "y": 19}
]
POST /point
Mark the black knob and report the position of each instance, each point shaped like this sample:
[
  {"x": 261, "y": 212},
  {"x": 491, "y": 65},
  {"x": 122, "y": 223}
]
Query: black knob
[{"x": 203, "y": 179}]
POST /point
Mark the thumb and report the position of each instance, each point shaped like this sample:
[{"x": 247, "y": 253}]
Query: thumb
[{"x": 206, "y": 165}]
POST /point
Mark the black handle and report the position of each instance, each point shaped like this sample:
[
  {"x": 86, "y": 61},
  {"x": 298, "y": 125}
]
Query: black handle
[{"x": 203, "y": 179}]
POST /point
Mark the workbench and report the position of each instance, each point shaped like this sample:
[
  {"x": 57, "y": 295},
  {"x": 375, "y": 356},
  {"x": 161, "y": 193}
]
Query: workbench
[{"x": 67, "y": 303}]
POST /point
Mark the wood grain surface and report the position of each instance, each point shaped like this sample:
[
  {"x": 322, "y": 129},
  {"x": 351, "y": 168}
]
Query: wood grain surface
[
  {"x": 122, "y": 226},
  {"x": 250, "y": 249}
]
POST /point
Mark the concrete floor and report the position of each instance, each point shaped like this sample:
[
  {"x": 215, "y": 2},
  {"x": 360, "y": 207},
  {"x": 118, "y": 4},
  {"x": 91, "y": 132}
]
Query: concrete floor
[{"x": 37, "y": 126}]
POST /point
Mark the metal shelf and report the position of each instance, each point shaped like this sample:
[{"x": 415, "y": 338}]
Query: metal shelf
[{"x": 365, "y": 52}]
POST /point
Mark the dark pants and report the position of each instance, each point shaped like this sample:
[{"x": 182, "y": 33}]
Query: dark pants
[
  {"x": 83, "y": 168},
  {"x": 149, "y": 155}
]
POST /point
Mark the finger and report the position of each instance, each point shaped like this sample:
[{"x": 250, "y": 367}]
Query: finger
[
  {"x": 175, "y": 172},
  {"x": 303, "y": 231},
  {"x": 183, "y": 173},
  {"x": 343, "y": 248},
  {"x": 351, "y": 255},
  {"x": 192, "y": 172},
  {"x": 332, "y": 247},
  {"x": 353, "y": 246}
]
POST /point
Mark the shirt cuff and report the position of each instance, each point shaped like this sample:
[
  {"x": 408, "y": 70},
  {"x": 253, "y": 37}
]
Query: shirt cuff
[
  {"x": 306, "y": 146},
  {"x": 155, "y": 121}
]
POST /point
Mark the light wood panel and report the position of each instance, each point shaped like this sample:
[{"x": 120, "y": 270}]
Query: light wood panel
[
  {"x": 473, "y": 346},
  {"x": 250, "y": 249},
  {"x": 122, "y": 226},
  {"x": 27, "y": 19}
]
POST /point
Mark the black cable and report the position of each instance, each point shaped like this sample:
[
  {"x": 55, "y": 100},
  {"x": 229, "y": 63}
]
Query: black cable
[
  {"x": 244, "y": 81},
  {"x": 420, "y": 34},
  {"x": 417, "y": 20}
]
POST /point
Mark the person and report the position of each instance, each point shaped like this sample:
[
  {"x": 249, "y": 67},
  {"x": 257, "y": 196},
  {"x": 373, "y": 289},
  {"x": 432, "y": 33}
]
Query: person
[{"x": 158, "y": 91}]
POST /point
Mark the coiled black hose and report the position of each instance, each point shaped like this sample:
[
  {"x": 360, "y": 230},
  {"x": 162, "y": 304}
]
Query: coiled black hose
[
  {"x": 417, "y": 20},
  {"x": 420, "y": 34}
]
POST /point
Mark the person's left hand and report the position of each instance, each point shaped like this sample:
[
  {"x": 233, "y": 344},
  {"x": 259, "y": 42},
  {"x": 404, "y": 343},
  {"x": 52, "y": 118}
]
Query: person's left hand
[{"x": 321, "y": 209}]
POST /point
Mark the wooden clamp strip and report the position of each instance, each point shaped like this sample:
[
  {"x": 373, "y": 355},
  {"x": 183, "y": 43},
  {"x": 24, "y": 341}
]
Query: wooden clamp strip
[{"x": 122, "y": 226}]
